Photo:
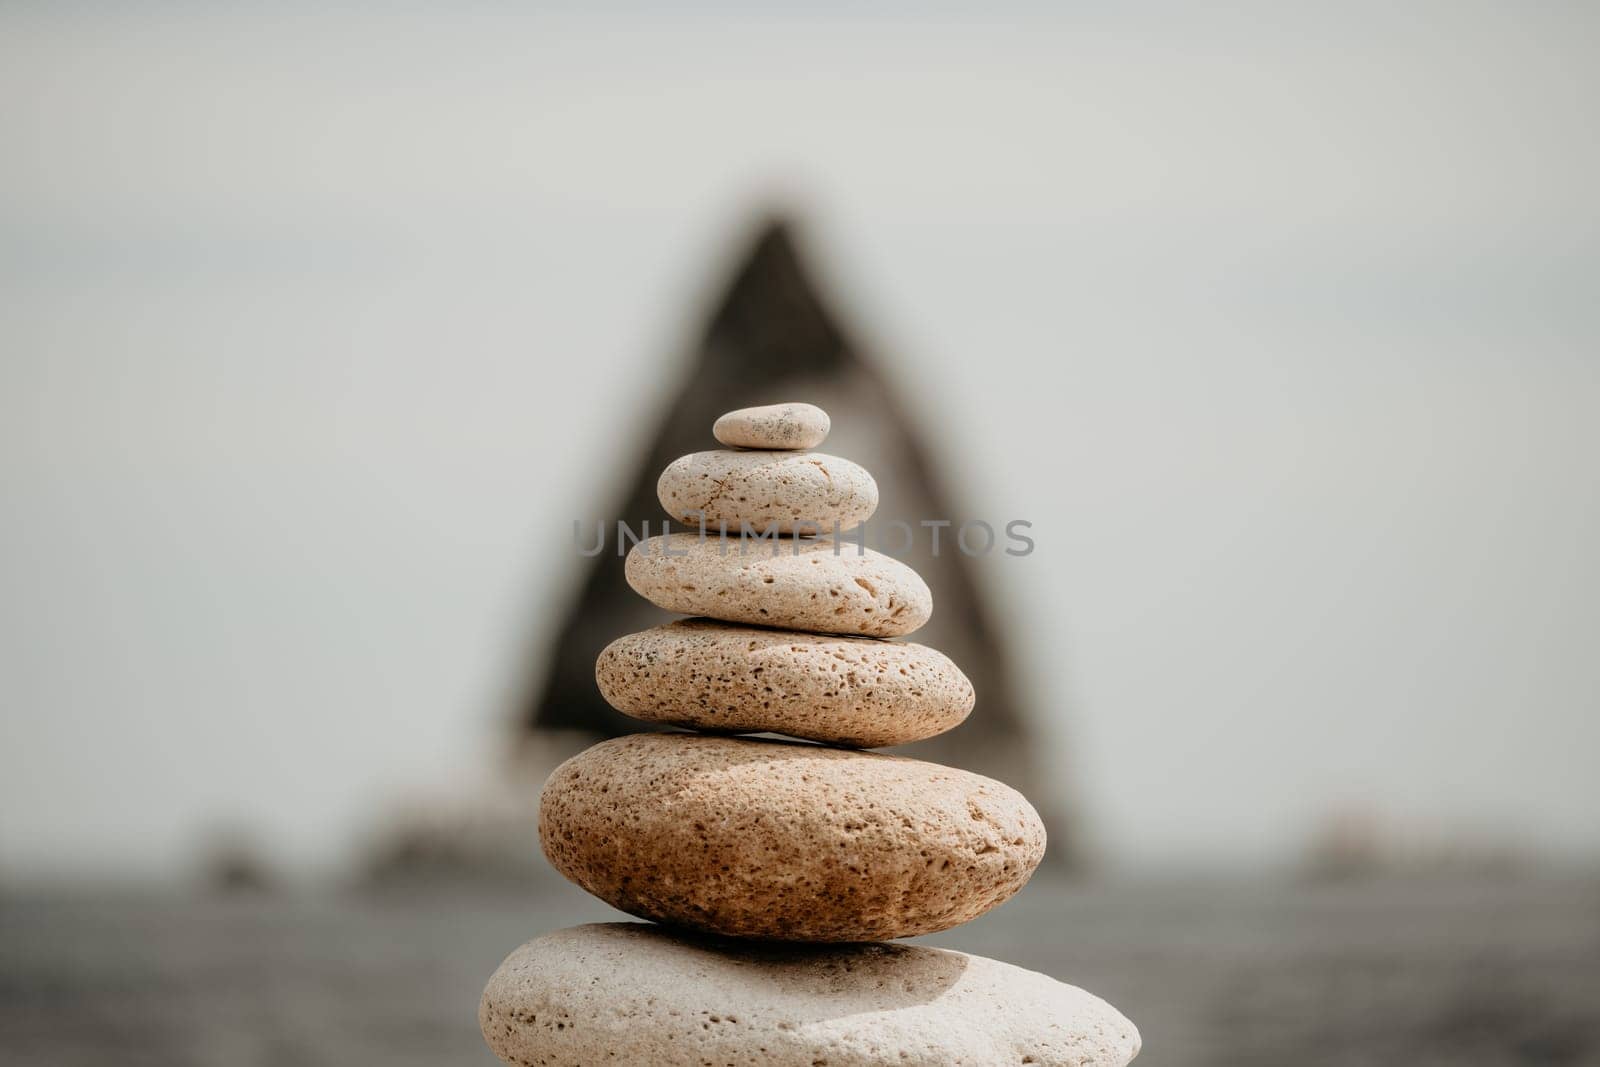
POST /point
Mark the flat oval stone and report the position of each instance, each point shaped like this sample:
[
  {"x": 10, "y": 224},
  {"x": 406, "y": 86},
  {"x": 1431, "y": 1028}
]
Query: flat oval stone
[
  {"x": 788, "y": 491},
  {"x": 785, "y": 840},
  {"x": 737, "y": 679},
  {"x": 779, "y": 426},
  {"x": 810, "y": 584},
  {"x": 632, "y": 993}
]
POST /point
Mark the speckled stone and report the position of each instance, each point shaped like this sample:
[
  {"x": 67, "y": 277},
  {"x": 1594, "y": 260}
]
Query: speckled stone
[
  {"x": 810, "y": 584},
  {"x": 738, "y": 679},
  {"x": 631, "y": 993},
  {"x": 777, "y": 426},
  {"x": 785, "y": 840},
  {"x": 789, "y": 491}
]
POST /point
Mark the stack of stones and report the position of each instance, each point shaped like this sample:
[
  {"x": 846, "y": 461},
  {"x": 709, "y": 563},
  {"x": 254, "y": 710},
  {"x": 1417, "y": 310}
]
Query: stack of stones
[{"x": 776, "y": 867}]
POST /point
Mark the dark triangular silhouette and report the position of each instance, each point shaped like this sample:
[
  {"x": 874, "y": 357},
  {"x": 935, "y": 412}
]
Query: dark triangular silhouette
[{"x": 772, "y": 339}]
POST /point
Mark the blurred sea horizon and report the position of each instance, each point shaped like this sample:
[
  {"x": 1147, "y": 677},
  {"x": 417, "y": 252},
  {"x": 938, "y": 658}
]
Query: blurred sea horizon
[{"x": 1430, "y": 972}]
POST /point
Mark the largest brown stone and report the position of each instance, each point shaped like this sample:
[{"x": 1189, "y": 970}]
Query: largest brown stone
[{"x": 792, "y": 841}]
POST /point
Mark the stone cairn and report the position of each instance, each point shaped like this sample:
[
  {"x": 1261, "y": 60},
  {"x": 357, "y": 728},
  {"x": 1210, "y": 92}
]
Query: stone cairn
[{"x": 776, "y": 868}]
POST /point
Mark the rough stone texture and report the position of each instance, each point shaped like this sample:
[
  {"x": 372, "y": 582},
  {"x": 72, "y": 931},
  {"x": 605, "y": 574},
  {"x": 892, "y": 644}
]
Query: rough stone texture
[
  {"x": 778, "y": 426},
  {"x": 793, "y": 583},
  {"x": 790, "y": 491},
  {"x": 737, "y": 679},
  {"x": 784, "y": 840},
  {"x": 636, "y": 994},
  {"x": 770, "y": 334}
]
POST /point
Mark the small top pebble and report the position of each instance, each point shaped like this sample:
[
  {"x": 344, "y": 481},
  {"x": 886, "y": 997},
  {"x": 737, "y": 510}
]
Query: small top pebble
[{"x": 786, "y": 427}]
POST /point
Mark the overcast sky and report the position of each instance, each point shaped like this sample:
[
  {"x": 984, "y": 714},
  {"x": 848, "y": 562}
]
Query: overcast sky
[{"x": 318, "y": 329}]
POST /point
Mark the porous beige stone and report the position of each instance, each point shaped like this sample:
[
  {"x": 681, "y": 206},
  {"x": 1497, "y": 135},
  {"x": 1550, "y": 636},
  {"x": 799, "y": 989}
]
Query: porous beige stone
[
  {"x": 785, "y": 840},
  {"x": 777, "y": 426},
  {"x": 631, "y": 993},
  {"x": 809, "y": 584},
  {"x": 805, "y": 492},
  {"x": 738, "y": 679}
]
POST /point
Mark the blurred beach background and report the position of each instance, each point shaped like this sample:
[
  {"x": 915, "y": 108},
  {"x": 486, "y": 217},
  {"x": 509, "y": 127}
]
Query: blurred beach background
[{"x": 320, "y": 327}]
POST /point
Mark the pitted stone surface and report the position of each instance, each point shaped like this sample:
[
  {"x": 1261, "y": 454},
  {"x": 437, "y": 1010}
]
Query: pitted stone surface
[
  {"x": 785, "y": 840},
  {"x": 805, "y": 492},
  {"x": 631, "y": 993},
  {"x": 775, "y": 426},
  {"x": 809, "y": 584},
  {"x": 739, "y": 679}
]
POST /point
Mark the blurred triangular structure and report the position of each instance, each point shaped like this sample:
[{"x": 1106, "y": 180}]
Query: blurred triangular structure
[{"x": 773, "y": 339}]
